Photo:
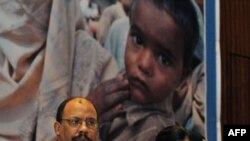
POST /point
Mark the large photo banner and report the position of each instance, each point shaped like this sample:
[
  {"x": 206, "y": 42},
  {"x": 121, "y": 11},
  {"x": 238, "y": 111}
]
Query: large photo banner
[{"x": 113, "y": 70}]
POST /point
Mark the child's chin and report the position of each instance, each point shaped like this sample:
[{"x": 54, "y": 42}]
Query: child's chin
[
  {"x": 140, "y": 100},
  {"x": 139, "y": 97}
]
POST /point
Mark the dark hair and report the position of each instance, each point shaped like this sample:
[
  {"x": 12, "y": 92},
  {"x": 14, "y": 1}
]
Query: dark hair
[
  {"x": 172, "y": 133},
  {"x": 184, "y": 14},
  {"x": 195, "y": 136},
  {"x": 61, "y": 107}
]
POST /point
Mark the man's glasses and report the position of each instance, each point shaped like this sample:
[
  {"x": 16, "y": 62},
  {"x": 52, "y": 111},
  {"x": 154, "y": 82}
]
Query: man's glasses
[{"x": 77, "y": 122}]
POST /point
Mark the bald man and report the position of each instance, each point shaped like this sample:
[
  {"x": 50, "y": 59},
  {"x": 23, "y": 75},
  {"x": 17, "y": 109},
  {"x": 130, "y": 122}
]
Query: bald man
[{"x": 76, "y": 120}]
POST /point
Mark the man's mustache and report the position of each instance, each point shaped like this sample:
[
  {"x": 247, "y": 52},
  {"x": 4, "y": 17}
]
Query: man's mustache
[{"x": 80, "y": 137}]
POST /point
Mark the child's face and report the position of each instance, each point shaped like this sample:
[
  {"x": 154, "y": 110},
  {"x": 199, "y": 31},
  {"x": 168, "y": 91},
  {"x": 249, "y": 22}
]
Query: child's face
[{"x": 154, "y": 54}]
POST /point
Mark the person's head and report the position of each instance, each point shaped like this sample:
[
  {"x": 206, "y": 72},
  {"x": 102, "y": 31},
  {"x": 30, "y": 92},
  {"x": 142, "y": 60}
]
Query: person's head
[
  {"x": 160, "y": 45},
  {"x": 195, "y": 136},
  {"x": 126, "y": 5},
  {"x": 76, "y": 119},
  {"x": 173, "y": 133}
]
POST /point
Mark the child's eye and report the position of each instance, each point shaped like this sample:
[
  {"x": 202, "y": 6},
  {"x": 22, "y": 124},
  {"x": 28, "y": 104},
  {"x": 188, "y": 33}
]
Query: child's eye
[
  {"x": 164, "y": 60},
  {"x": 137, "y": 39}
]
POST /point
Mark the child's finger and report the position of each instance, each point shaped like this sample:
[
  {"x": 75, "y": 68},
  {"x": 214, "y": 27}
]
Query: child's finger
[
  {"x": 116, "y": 98},
  {"x": 111, "y": 114},
  {"x": 114, "y": 85}
]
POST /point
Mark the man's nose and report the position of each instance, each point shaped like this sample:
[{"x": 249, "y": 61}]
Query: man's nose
[{"x": 83, "y": 127}]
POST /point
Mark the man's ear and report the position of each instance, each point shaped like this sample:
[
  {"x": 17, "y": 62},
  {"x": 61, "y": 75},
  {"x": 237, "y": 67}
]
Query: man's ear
[
  {"x": 180, "y": 93},
  {"x": 57, "y": 128}
]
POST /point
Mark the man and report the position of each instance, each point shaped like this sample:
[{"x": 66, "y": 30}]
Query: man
[
  {"x": 76, "y": 119},
  {"x": 91, "y": 12},
  {"x": 116, "y": 40},
  {"x": 115, "y": 11}
]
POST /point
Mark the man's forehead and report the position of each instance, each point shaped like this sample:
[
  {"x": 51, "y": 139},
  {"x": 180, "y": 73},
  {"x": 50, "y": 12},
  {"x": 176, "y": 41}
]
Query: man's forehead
[
  {"x": 81, "y": 101},
  {"x": 79, "y": 104}
]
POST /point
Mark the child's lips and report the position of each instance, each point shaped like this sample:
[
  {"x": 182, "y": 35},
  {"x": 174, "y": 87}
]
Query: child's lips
[{"x": 138, "y": 83}]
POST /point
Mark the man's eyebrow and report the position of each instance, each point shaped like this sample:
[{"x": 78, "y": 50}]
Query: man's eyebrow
[{"x": 74, "y": 117}]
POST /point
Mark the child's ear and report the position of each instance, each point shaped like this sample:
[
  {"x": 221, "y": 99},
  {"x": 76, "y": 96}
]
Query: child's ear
[
  {"x": 57, "y": 128},
  {"x": 180, "y": 93},
  {"x": 183, "y": 86}
]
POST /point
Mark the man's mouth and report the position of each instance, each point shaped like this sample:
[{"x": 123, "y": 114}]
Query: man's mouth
[{"x": 81, "y": 137}]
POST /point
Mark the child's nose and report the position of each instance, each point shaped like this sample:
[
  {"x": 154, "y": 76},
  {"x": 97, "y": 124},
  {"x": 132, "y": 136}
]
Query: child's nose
[{"x": 145, "y": 62}]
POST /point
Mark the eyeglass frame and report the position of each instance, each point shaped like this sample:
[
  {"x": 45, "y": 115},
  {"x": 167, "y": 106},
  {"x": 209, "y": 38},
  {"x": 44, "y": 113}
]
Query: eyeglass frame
[{"x": 80, "y": 121}]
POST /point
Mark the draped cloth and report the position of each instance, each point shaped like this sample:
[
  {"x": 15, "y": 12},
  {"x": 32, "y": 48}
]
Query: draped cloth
[
  {"x": 45, "y": 57},
  {"x": 109, "y": 15},
  {"x": 142, "y": 122},
  {"x": 192, "y": 111}
]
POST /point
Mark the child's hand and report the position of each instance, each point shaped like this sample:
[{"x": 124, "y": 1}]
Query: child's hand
[{"x": 108, "y": 96}]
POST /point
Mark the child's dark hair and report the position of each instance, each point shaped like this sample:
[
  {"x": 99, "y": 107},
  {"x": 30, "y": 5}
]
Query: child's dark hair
[
  {"x": 184, "y": 14},
  {"x": 172, "y": 133}
]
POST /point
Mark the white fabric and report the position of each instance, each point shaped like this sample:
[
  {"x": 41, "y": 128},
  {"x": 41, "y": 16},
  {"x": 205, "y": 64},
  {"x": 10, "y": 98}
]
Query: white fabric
[{"x": 45, "y": 57}]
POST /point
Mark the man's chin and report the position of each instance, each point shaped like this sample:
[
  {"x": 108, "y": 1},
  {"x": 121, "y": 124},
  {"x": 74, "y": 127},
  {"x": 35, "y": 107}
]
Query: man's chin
[{"x": 82, "y": 138}]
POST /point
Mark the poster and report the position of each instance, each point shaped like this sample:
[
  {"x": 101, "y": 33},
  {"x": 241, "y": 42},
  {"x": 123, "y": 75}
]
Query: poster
[{"x": 66, "y": 55}]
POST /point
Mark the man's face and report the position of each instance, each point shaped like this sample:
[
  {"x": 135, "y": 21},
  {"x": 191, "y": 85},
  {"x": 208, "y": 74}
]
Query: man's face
[
  {"x": 79, "y": 122},
  {"x": 154, "y": 54}
]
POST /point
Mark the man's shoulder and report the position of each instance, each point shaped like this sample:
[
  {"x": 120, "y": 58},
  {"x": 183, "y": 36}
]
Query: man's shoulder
[
  {"x": 122, "y": 22},
  {"x": 109, "y": 10}
]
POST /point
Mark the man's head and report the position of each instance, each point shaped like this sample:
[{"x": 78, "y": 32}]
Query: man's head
[
  {"x": 126, "y": 5},
  {"x": 160, "y": 45},
  {"x": 76, "y": 120}
]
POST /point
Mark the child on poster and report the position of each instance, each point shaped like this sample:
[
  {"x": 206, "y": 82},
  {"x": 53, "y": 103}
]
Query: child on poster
[{"x": 158, "y": 61}]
